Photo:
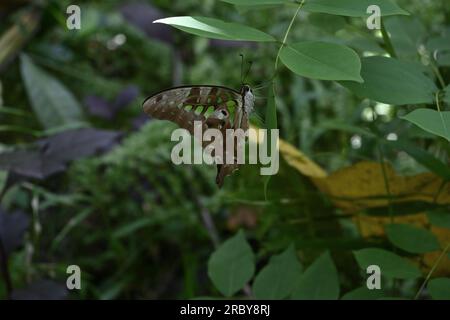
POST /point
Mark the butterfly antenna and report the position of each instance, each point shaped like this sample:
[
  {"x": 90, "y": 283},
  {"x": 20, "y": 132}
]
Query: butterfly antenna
[
  {"x": 242, "y": 68},
  {"x": 248, "y": 70},
  {"x": 261, "y": 87},
  {"x": 266, "y": 83}
]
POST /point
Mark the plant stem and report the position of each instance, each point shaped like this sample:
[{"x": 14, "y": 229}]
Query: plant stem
[
  {"x": 210, "y": 227},
  {"x": 287, "y": 33},
  {"x": 440, "y": 113},
  {"x": 387, "y": 41},
  {"x": 441, "y": 187},
  {"x": 437, "y": 73},
  {"x": 432, "y": 271},
  {"x": 389, "y": 196},
  {"x": 386, "y": 184}
]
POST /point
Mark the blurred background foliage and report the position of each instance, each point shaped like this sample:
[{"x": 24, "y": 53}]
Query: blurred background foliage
[{"x": 86, "y": 178}]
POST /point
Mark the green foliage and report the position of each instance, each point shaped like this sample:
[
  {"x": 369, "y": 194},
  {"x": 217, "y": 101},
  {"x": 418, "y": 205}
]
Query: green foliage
[
  {"x": 439, "y": 218},
  {"x": 143, "y": 162},
  {"x": 363, "y": 293},
  {"x": 256, "y": 2},
  {"x": 392, "y": 265},
  {"x": 323, "y": 61},
  {"x": 353, "y": 8},
  {"x": 54, "y": 105},
  {"x": 158, "y": 209},
  {"x": 412, "y": 239},
  {"x": 140, "y": 227},
  {"x": 392, "y": 81},
  {"x": 432, "y": 121},
  {"x": 447, "y": 92},
  {"x": 440, "y": 288},
  {"x": 319, "y": 281},
  {"x": 425, "y": 158},
  {"x": 232, "y": 265},
  {"x": 216, "y": 29},
  {"x": 278, "y": 278}
]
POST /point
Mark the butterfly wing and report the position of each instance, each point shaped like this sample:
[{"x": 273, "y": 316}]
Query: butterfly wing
[
  {"x": 184, "y": 105},
  {"x": 216, "y": 107}
]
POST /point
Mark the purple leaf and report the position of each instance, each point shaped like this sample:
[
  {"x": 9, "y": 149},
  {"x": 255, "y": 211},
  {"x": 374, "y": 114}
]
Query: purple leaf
[
  {"x": 41, "y": 290},
  {"x": 142, "y": 15},
  {"x": 139, "y": 121},
  {"x": 125, "y": 97},
  {"x": 99, "y": 107},
  {"x": 54, "y": 153},
  {"x": 12, "y": 229},
  {"x": 74, "y": 144},
  {"x": 28, "y": 163}
]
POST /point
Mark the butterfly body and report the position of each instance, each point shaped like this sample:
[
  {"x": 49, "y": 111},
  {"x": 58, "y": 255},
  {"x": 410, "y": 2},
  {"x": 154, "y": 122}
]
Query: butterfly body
[{"x": 215, "y": 107}]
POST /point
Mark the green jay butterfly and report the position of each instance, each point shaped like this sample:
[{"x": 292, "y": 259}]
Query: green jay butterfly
[{"x": 215, "y": 107}]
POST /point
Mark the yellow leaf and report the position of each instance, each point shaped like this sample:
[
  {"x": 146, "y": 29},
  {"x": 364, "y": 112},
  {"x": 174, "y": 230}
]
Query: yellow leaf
[
  {"x": 299, "y": 161},
  {"x": 362, "y": 186}
]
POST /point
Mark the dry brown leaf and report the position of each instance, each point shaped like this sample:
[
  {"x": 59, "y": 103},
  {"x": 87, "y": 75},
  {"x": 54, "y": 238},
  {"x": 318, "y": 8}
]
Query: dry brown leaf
[{"x": 362, "y": 186}]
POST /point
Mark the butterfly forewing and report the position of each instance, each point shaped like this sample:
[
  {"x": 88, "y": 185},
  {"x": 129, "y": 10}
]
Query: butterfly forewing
[
  {"x": 216, "y": 107},
  {"x": 184, "y": 105}
]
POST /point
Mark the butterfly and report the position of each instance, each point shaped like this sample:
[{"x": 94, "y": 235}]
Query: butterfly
[{"x": 216, "y": 107}]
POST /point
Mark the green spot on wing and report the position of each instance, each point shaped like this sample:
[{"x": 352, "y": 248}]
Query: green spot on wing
[
  {"x": 209, "y": 111},
  {"x": 199, "y": 110}
]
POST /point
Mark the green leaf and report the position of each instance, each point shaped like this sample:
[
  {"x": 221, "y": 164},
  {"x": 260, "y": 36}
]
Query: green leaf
[
  {"x": 425, "y": 158},
  {"x": 391, "y": 265},
  {"x": 278, "y": 278},
  {"x": 432, "y": 121},
  {"x": 392, "y": 81},
  {"x": 441, "y": 46},
  {"x": 440, "y": 43},
  {"x": 53, "y": 104},
  {"x": 406, "y": 33},
  {"x": 232, "y": 265},
  {"x": 322, "y": 60},
  {"x": 216, "y": 29},
  {"x": 439, "y": 218},
  {"x": 363, "y": 293},
  {"x": 353, "y": 8},
  {"x": 3, "y": 178},
  {"x": 447, "y": 94},
  {"x": 327, "y": 22},
  {"x": 319, "y": 282},
  {"x": 364, "y": 44},
  {"x": 256, "y": 2},
  {"x": 412, "y": 239},
  {"x": 439, "y": 288}
]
